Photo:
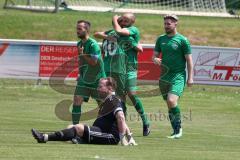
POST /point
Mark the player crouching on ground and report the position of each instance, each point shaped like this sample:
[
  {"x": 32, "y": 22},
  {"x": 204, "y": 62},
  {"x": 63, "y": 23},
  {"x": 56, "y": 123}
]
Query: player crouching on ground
[{"x": 109, "y": 127}]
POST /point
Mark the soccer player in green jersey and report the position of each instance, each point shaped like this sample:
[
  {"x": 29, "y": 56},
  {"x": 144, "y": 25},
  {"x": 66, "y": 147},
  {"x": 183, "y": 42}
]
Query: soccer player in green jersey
[
  {"x": 114, "y": 59},
  {"x": 91, "y": 69},
  {"x": 124, "y": 27},
  {"x": 176, "y": 53}
]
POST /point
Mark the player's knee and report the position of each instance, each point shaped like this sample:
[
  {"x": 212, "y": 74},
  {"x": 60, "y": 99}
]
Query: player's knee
[
  {"x": 171, "y": 102},
  {"x": 77, "y": 100}
]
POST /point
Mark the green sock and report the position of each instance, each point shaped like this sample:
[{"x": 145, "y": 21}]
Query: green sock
[
  {"x": 175, "y": 117},
  {"x": 76, "y": 113},
  {"x": 139, "y": 107}
]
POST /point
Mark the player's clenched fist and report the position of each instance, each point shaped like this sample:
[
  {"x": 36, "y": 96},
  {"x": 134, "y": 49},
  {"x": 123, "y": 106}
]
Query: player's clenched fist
[
  {"x": 80, "y": 50},
  {"x": 115, "y": 17},
  {"x": 157, "y": 61}
]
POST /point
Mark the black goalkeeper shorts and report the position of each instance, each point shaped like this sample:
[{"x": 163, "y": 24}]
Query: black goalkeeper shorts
[{"x": 94, "y": 135}]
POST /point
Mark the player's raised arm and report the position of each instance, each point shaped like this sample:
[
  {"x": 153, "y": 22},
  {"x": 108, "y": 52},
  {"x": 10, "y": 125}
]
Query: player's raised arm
[
  {"x": 103, "y": 35},
  {"x": 123, "y": 31},
  {"x": 126, "y": 20},
  {"x": 100, "y": 35}
]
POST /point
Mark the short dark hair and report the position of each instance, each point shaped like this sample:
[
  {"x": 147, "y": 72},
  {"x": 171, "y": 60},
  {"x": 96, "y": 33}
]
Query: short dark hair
[{"x": 87, "y": 24}]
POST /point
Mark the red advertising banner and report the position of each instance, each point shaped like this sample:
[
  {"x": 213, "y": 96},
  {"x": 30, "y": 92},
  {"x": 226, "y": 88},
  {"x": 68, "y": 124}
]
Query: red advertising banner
[
  {"x": 61, "y": 61},
  {"x": 58, "y": 61},
  {"x": 147, "y": 70}
]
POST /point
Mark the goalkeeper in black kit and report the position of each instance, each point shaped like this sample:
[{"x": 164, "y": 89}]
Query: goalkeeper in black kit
[{"x": 109, "y": 127}]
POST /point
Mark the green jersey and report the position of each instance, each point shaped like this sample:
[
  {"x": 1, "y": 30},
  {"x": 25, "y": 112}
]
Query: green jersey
[
  {"x": 90, "y": 74},
  {"x": 173, "y": 51},
  {"x": 114, "y": 55},
  {"x": 131, "y": 42}
]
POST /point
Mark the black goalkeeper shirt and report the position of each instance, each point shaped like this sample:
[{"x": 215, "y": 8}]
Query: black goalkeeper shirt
[{"x": 106, "y": 120}]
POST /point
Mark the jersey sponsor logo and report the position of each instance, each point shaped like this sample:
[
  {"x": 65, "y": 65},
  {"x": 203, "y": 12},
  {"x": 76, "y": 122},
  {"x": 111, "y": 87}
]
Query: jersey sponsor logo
[
  {"x": 126, "y": 45},
  {"x": 175, "y": 46},
  {"x": 92, "y": 45}
]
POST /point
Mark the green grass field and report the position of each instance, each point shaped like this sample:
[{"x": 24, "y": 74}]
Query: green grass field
[
  {"x": 211, "y": 125},
  {"x": 208, "y": 31}
]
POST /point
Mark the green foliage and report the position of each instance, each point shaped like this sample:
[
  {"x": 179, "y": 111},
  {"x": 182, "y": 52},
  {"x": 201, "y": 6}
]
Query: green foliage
[{"x": 232, "y": 4}]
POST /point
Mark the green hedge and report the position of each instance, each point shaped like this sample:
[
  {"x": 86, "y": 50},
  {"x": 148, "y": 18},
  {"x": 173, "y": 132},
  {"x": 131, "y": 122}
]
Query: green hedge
[{"x": 233, "y": 4}]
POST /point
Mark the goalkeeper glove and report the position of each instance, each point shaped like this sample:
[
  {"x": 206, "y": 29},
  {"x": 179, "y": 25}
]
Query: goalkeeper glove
[
  {"x": 131, "y": 141},
  {"x": 123, "y": 140}
]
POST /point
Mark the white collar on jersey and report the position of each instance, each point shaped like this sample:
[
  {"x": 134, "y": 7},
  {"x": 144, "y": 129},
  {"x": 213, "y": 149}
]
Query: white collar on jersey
[{"x": 112, "y": 93}]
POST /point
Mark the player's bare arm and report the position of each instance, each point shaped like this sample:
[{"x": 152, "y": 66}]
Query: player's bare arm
[
  {"x": 125, "y": 134},
  {"x": 121, "y": 123},
  {"x": 139, "y": 48},
  {"x": 118, "y": 28},
  {"x": 189, "y": 61},
  {"x": 100, "y": 35}
]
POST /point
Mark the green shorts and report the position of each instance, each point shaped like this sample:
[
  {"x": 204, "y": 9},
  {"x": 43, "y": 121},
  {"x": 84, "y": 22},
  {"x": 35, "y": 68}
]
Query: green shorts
[
  {"x": 86, "y": 90},
  {"x": 131, "y": 82},
  {"x": 173, "y": 83},
  {"x": 121, "y": 80}
]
